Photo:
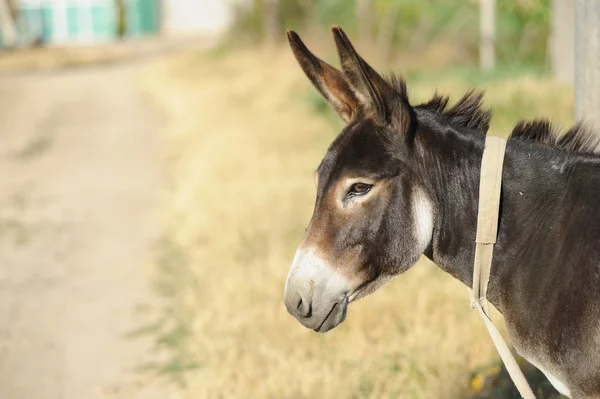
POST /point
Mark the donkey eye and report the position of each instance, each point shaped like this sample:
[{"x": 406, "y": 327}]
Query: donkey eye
[{"x": 359, "y": 189}]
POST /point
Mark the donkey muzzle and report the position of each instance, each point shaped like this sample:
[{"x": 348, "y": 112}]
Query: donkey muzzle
[{"x": 315, "y": 294}]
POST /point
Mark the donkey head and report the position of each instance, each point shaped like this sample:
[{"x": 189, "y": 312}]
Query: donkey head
[{"x": 371, "y": 219}]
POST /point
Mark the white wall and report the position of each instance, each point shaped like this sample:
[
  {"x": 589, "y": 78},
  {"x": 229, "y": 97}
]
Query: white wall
[{"x": 196, "y": 16}]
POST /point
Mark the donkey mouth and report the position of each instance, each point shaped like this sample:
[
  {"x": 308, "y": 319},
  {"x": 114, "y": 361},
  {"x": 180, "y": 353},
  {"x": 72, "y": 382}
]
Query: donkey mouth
[{"x": 335, "y": 317}]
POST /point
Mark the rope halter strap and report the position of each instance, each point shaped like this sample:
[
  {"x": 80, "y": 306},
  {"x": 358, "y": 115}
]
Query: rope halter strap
[{"x": 490, "y": 185}]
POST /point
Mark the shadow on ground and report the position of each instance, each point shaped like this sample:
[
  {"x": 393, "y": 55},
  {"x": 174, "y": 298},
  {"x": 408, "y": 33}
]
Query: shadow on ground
[{"x": 495, "y": 383}]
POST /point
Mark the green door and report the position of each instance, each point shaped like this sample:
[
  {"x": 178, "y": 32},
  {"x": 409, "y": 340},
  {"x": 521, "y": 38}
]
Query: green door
[
  {"x": 142, "y": 17},
  {"x": 69, "y": 22}
]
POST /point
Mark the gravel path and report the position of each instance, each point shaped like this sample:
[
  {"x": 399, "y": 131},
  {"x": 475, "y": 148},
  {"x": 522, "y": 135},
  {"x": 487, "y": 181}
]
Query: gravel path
[{"x": 81, "y": 178}]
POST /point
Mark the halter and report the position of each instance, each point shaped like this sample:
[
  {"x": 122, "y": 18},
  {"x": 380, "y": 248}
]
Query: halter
[{"x": 490, "y": 185}]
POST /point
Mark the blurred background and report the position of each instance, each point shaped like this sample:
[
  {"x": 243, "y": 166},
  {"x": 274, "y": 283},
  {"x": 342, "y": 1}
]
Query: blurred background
[{"x": 156, "y": 165}]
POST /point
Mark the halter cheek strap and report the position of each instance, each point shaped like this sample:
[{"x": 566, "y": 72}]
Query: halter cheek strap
[{"x": 490, "y": 185}]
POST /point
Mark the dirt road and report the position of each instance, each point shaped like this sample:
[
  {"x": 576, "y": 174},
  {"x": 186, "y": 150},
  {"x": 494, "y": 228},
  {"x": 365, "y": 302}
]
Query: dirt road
[{"x": 81, "y": 184}]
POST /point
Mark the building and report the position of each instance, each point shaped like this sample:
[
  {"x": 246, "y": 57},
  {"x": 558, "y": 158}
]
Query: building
[
  {"x": 64, "y": 22},
  {"x": 196, "y": 16}
]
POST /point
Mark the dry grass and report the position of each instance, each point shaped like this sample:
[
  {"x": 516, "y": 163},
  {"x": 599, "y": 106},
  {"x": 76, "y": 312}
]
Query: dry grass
[{"x": 243, "y": 143}]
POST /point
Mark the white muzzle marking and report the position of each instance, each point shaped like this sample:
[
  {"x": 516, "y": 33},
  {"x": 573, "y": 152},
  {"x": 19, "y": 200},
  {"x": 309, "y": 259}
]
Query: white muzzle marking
[
  {"x": 314, "y": 293},
  {"x": 309, "y": 271}
]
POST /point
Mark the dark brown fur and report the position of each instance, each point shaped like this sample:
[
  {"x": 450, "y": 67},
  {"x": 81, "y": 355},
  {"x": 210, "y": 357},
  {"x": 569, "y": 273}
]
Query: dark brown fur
[
  {"x": 546, "y": 270},
  {"x": 467, "y": 112}
]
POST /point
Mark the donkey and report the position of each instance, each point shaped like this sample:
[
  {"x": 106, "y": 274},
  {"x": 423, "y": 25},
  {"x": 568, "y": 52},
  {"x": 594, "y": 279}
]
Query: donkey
[{"x": 400, "y": 181}]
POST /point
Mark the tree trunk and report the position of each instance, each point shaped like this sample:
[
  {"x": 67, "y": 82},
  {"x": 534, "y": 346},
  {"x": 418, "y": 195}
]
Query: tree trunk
[
  {"x": 272, "y": 30},
  {"x": 121, "y": 19},
  {"x": 587, "y": 45},
  {"x": 386, "y": 34},
  {"x": 364, "y": 16},
  {"x": 310, "y": 18},
  {"x": 8, "y": 25},
  {"x": 487, "y": 34},
  {"x": 562, "y": 37}
]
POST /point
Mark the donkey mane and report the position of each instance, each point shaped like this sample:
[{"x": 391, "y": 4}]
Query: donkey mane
[
  {"x": 467, "y": 112},
  {"x": 581, "y": 138}
]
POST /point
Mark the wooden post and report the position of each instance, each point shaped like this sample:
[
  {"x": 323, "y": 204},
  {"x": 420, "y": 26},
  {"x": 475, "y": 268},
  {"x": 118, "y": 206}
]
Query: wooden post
[
  {"x": 487, "y": 34},
  {"x": 562, "y": 36},
  {"x": 587, "y": 46}
]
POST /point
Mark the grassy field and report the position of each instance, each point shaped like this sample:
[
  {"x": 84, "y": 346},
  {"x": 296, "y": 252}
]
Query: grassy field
[{"x": 245, "y": 133}]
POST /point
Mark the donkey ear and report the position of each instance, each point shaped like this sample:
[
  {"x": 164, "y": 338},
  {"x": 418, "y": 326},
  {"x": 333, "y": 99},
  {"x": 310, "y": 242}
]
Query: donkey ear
[
  {"x": 329, "y": 81},
  {"x": 370, "y": 87}
]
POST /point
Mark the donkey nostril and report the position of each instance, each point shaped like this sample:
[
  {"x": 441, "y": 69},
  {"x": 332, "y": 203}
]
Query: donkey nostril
[{"x": 304, "y": 308}]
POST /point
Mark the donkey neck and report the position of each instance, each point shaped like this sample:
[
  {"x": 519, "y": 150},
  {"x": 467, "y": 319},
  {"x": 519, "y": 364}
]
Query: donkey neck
[
  {"x": 540, "y": 193},
  {"x": 449, "y": 167}
]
